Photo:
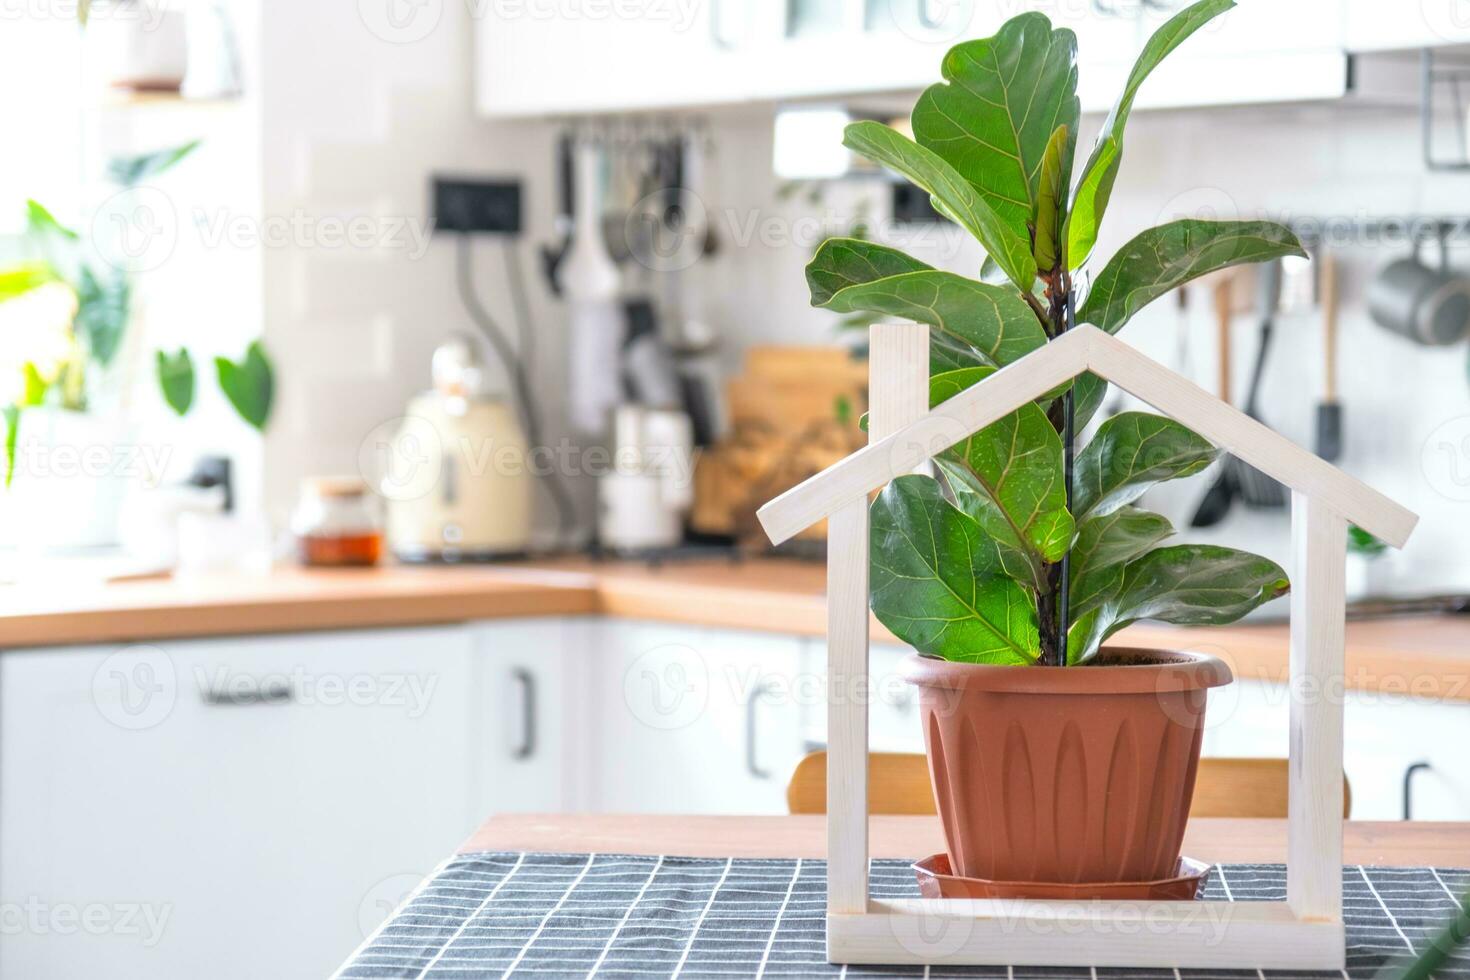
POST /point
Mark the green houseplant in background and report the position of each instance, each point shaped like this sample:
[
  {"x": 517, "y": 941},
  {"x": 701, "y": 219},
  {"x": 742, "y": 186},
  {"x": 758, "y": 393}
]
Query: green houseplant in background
[
  {"x": 1024, "y": 551},
  {"x": 64, "y": 374}
]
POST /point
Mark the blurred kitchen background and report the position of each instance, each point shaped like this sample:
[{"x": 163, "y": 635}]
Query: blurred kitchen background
[
  {"x": 305, "y": 218},
  {"x": 398, "y": 237}
]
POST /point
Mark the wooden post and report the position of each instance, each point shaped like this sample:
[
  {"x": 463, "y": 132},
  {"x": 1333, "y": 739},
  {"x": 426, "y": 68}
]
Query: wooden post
[
  {"x": 847, "y": 716},
  {"x": 1314, "y": 806},
  {"x": 898, "y": 393}
]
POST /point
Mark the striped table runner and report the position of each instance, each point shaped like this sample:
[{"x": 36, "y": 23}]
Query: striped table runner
[{"x": 578, "y": 915}]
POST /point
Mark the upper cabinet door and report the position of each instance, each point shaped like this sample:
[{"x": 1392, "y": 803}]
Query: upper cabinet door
[
  {"x": 672, "y": 55},
  {"x": 1373, "y": 25},
  {"x": 821, "y": 48},
  {"x": 1261, "y": 51}
]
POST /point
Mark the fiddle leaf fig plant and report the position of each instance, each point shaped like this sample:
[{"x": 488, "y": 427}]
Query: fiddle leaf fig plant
[{"x": 1023, "y": 549}]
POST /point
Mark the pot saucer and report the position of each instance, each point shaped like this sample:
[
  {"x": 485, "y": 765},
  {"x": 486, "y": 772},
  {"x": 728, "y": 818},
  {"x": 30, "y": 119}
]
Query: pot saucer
[{"x": 937, "y": 880}]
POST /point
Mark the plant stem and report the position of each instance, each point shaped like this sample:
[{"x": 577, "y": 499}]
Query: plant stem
[
  {"x": 1069, "y": 456},
  {"x": 1053, "y": 607}
]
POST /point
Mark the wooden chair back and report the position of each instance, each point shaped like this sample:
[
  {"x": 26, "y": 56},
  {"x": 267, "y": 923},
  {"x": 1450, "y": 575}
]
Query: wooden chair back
[{"x": 898, "y": 784}]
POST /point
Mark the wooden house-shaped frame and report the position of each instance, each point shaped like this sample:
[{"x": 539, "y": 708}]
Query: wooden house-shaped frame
[{"x": 1303, "y": 932}]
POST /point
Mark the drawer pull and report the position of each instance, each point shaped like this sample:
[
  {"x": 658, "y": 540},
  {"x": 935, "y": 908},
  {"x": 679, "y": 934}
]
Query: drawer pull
[
  {"x": 240, "y": 691},
  {"x": 1409, "y": 773},
  {"x": 752, "y": 766},
  {"x": 527, "y": 681}
]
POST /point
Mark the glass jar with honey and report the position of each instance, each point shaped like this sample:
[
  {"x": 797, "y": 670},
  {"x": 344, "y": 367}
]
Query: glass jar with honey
[{"x": 336, "y": 522}]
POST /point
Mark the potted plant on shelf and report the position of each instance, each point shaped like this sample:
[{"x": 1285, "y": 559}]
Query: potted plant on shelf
[
  {"x": 1054, "y": 758},
  {"x": 67, "y": 381}
]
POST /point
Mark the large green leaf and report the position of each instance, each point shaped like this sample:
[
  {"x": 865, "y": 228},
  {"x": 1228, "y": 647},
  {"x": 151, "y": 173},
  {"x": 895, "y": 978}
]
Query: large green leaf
[
  {"x": 948, "y": 354},
  {"x": 843, "y": 262},
  {"x": 129, "y": 171},
  {"x": 11, "y": 414},
  {"x": 249, "y": 384},
  {"x": 176, "y": 379},
  {"x": 20, "y": 279},
  {"x": 40, "y": 221},
  {"x": 1051, "y": 202},
  {"x": 992, "y": 319},
  {"x": 929, "y": 589},
  {"x": 104, "y": 304},
  {"x": 1162, "y": 259},
  {"x": 1088, "y": 392},
  {"x": 1094, "y": 189},
  {"x": 1002, "y": 99},
  {"x": 1105, "y": 544},
  {"x": 952, "y": 194},
  {"x": 53, "y": 240},
  {"x": 1130, "y": 452},
  {"x": 33, "y": 386},
  {"x": 1188, "y": 585},
  {"x": 1014, "y": 466},
  {"x": 1197, "y": 585}
]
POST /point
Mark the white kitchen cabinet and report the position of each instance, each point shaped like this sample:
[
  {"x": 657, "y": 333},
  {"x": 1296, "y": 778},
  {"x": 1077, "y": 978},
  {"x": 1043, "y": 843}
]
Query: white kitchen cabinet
[
  {"x": 1383, "y": 735},
  {"x": 691, "y": 720},
  {"x": 1373, "y": 25},
  {"x": 535, "y": 62},
  {"x": 267, "y": 799},
  {"x": 899, "y": 45},
  {"x": 546, "y": 60},
  {"x": 1260, "y": 51},
  {"x": 531, "y": 673}
]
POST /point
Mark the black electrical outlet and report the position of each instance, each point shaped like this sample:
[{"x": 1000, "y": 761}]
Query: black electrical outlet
[{"x": 464, "y": 205}]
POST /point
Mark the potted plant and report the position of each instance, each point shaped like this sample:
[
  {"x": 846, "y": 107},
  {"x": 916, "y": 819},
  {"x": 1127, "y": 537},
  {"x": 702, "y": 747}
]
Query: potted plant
[
  {"x": 1054, "y": 758},
  {"x": 70, "y": 304}
]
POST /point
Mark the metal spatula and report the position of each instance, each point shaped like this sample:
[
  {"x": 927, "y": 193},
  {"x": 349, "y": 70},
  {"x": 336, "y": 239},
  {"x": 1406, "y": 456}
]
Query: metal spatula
[{"x": 1256, "y": 488}]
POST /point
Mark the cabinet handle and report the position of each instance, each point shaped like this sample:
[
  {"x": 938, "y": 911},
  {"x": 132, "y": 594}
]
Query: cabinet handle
[
  {"x": 527, "y": 680},
  {"x": 1415, "y": 767},
  {"x": 751, "y": 766},
  {"x": 238, "y": 692}
]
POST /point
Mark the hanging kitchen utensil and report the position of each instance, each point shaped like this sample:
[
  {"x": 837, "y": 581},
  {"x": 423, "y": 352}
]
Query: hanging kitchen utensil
[
  {"x": 1329, "y": 411},
  {"x": 590, "y": 279},
  {"x": 649, "y": 375},
  {"x": 1215, "y": 504},
  {"x": 1428, "y": 306},
  {"x": 1256, "y": 488},
  {"x": 552, "y": 256}
]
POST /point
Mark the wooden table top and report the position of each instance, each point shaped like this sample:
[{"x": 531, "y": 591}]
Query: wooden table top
[
  {"x": 1412, "y": 844},
  {"x": 1426, "y": 657}
]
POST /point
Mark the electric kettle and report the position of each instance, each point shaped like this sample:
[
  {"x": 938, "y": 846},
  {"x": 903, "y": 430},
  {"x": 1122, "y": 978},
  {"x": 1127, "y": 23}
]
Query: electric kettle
[{"x": 457, "y": 475}]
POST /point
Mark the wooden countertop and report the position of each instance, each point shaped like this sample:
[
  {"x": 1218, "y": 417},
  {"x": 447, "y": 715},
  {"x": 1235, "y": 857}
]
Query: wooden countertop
[
  {"x": 1213, "y": 840},
  {"x": 1426, "y": 657}
]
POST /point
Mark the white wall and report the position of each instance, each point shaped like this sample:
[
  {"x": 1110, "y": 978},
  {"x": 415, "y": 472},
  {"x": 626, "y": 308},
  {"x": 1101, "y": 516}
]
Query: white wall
[{"x": 356, "y": 121}]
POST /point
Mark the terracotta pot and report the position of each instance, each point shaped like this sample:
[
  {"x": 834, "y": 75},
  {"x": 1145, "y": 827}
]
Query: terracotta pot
[{"x": 1065, "y": 774}]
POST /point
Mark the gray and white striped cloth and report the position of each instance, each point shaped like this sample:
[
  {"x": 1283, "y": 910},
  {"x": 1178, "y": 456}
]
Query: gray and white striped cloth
[{"x": 578, "y": 915}]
